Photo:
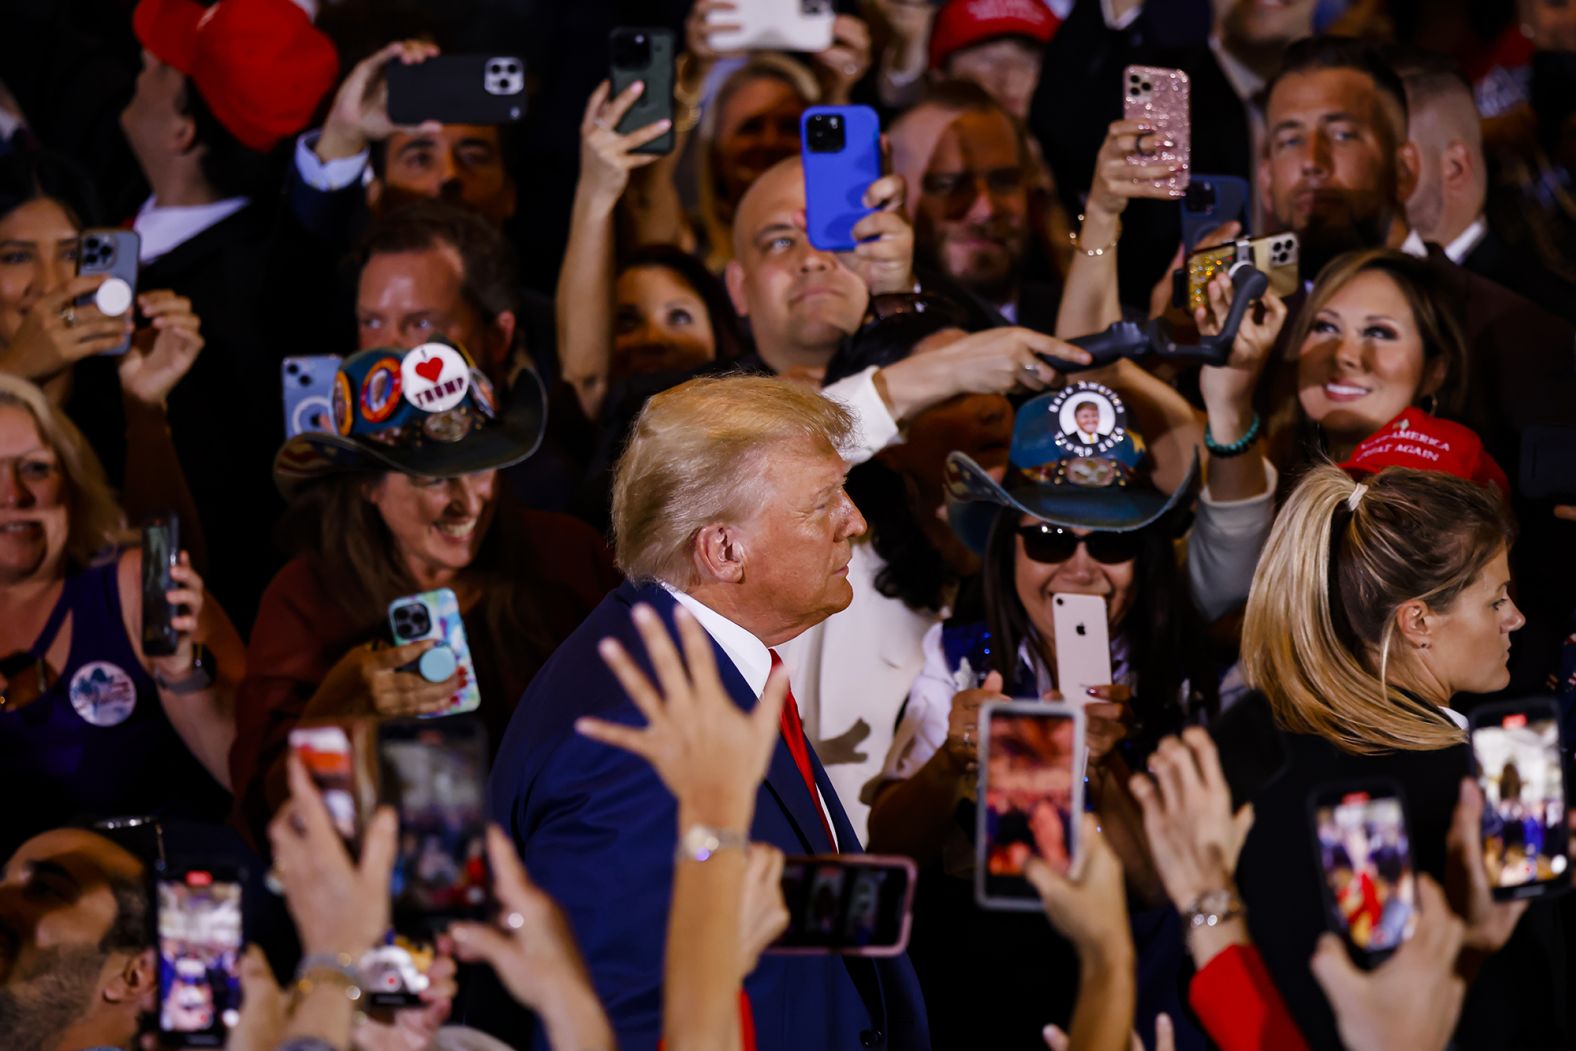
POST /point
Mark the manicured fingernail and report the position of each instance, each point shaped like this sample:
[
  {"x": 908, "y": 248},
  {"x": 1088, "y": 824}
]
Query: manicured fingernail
[
  {"x": 1093, "y": 691},
  {"x": 607, "y": 647},
  {"x": 664, "y": 124}
]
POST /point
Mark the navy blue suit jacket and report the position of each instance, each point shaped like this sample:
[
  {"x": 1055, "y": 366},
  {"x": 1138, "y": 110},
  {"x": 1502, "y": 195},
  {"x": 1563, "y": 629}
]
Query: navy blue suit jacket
[{"x": 596, "y": 829}]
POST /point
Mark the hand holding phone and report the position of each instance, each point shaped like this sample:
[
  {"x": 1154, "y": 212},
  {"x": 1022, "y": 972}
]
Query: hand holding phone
[
  {"x": 435, "y": 615},
  {"x": 200, "y": 944},
  {"x": 644, "y": 56},
  {"x": 457, "y": 89},
  {"x": 774, "y": 25},
  {"x": 1158, "y": 97},
  {"x": 113, "y": 253},
  {"x": 841, "y": 151},
  {"x": 161, "y": 547}
]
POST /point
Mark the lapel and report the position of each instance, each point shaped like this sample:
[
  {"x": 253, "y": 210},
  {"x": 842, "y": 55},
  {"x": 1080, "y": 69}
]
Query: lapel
[
  {"x": 177, "y": 261},
  {"x": 783, "y": 782}
]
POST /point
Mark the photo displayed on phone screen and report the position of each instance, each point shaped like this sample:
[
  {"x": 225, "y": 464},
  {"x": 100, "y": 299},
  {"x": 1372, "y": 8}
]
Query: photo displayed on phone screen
[
  {"x": 1030, "y": 796},
  {"x": 394, "y": 974},
  {"x": 858, "y": 905},
  {"x": 1367, "y": 862},
  {"x": 1525, "y": 835},
  {"x": 435, "y": 774},
  {"x": 200, "y": 944},
  {"x": 329, "y": 758}
]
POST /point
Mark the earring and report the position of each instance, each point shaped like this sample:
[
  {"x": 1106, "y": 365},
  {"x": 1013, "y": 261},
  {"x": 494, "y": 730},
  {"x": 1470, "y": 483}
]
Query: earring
[{"x": 1429, "y": 403}]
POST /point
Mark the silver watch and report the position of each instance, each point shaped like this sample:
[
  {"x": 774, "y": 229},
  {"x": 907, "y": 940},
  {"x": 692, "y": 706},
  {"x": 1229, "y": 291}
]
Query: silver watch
[
  {"x": 701, "y": 842},
  {"x": 1212, "y": 908}
]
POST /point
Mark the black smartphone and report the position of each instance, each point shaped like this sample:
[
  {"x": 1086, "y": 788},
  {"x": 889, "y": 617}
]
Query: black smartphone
[
  {"x": 1548, "y": 462},
  {"x": 114, "y": 253},
  {"x": 644, "y": 55},
  {"x": 1365, "y": 861},
  {"x": 200, "y": 937},
  {"x": 1030, "y": 797},
  {"x": 1519, "y": 758},
  {"x": 161, "y": 548},
  {"x": 458, "y": 89},
  {"x": 850, "y": 904}
]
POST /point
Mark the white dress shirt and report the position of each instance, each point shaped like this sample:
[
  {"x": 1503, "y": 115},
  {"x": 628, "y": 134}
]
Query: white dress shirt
[
  {"x": 328, "y": 176},
  {"x": 163, "y": 229},
  {"x": 1414, "y": 246},
  {"x": 749, "y": 655},
  {"x": 1468, "y": 239}
]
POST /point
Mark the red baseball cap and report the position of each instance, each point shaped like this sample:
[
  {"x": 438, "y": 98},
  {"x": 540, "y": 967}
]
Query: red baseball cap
[
  {"x": 260, "y": 65},
  {"x": 1425, "y": 443},
  {"x": 963, "y": 23}
]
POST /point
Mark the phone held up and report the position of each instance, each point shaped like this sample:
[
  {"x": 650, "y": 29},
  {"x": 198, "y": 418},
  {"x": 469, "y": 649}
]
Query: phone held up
[
  {"x": 644, "y": 55},
  {"x": 1030, "y": 799},
  {"x": 337, "y": 756},
  {"x": 1519, "y": 759},
  {"x": 200, "y": 942},
  {"x": 458, "y": 89},
  {"x": 1365, "y": 860},
  {"x": 773, "y": 25},
  {"x": 436, "y": 615},
  {"x": 1275, "y": 254},
  {"x": 306, "y": 386},
  {"x": 853, "y": 905},
  {"x": 434, "y": 774},
  {"x": 114, "y": 253},
  {"x": 161, "y": 549},
  {"x": 841, "y": 149},
  {"x": 1159, "y": 98}
]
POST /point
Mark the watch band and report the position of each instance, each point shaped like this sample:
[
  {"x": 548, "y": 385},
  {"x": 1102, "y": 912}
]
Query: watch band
[
  {"x": 701, "y": 842},
  {"x": 200, "y": 677},
  {"x": 1212, "y": 908}
]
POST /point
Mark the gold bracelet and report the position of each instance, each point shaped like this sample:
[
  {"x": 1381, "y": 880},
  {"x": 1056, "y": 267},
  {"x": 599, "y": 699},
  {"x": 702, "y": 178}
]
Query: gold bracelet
[{"x": 1072, "y": 236}]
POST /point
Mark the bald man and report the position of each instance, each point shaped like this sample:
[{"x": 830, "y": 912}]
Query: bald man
[{"x": 1447, "y": 207}]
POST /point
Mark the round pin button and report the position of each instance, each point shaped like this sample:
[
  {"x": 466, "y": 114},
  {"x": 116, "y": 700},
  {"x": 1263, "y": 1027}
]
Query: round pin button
[
  {"x": 437, "y": 664},
  {"x": 113, "y": 297}
]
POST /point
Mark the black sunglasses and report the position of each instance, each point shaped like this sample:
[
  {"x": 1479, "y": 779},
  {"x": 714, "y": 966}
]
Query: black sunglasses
[{"x": 1047, "y": 543}]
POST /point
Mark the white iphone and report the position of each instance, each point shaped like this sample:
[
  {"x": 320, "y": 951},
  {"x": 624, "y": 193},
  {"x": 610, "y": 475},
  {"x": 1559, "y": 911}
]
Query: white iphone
[
  {"x": 774, "y": 25},
  {"x": 1083, "y": 645}
]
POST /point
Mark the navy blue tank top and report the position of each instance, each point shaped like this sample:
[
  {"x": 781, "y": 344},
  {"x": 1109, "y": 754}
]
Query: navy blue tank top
[{"x": 98, "y": 743}]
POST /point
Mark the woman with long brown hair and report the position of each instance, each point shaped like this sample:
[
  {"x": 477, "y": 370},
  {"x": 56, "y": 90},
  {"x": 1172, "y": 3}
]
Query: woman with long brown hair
[{"x": 400, "y": 501}]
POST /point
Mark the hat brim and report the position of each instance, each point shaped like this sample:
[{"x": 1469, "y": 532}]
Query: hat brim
[
  {"x": 512, "y": 437},
  {"x": 976, "y": 499}
]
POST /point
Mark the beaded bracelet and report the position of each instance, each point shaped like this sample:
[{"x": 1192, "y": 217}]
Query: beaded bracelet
[
  {"x": 1093, "y": 253},
  {"x": 1236, "y": 448}
]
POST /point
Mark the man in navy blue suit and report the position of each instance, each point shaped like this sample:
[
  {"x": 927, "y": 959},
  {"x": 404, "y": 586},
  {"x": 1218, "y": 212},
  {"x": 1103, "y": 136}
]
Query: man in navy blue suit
[{"x": 729, "y": 501}]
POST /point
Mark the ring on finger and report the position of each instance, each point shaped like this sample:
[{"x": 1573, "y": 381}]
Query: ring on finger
[
  {"x": 600, "y": 123},
  {"x": 1031, "y": 367},
  {"x": 514, "y": 921},
  {"x": 68, "y": 315}
]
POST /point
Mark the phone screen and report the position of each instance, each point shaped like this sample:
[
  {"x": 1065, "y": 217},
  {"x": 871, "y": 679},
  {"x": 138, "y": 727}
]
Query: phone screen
[
  {"x": 330, "y": 760},
  {"x": 435, "y": 774},
  {"x": 857, "y": 905},
  {"x": 1525, "y": 835},
  {"x": 200, "y": 945},
  {"x": 1366, "y": 858},
  {"x": 1030, "y": 796}
]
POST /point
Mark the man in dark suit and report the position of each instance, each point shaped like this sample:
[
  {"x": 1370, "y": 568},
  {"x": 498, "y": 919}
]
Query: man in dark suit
[{"x": 728, "y": 501}]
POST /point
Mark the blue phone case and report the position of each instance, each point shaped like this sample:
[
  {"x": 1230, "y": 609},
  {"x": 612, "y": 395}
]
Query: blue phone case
[
  {"x": 835, "y": 183},
  {"x": 445, "y": 625},
  {"x": 308, "y": 388},
  {"x": 1230, "y": 202}
]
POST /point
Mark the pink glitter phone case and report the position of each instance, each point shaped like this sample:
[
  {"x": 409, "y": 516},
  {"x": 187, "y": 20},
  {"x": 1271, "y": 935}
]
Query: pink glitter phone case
[{"x": 1159, "y": 98}]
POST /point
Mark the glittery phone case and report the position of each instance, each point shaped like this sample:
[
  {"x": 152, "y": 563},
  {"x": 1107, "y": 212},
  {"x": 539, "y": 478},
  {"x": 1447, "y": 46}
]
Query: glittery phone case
[{"x": 1159, "y": 97}]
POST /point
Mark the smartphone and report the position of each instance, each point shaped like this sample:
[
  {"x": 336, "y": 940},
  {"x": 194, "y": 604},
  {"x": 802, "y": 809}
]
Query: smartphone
[
  {"x": 112, "y": 252},
  {"x": 1519, "y": 759},
  {"x": 458, "y": 89},
  {"x": 200, "y": 946},
  {"x": 850, "y": 904},
  {"x": 645, "y": 55},
  {"x": 1212, "y": 200},
  {"x": 773, "y": 25},
  {"x": 841, "y": 148},
  {"x": 161, "y": 549},
  {"x": 1275, "y": 254},
  {"x": 1159, "y": 97},
  {"x": 1365, "y": 858},
  {"x": 436, "y": 615},
  {"x": 307, "y": 387},
  {"x": 1548, "y": 462},
  {"x": 332, "y": 754},
  {"x": 1030, "y": 797},
  {"x": 1083, "y": 644}
]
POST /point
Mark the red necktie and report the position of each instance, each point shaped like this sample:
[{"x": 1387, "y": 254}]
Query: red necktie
[{"x": 793, "y": 736}]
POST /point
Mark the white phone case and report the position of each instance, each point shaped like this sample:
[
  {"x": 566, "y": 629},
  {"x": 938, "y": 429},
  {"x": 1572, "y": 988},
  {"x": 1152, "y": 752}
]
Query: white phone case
[
  {"x": 779, "y": 25},
  {"x": 1083, "y": 645}
]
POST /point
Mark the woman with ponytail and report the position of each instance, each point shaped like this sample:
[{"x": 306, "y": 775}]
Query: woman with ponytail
[{"x": 1378, "y": 605}]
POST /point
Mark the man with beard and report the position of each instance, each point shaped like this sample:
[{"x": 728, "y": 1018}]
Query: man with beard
[
  {"x": 969, "y": 162},
  {"x": 76, "y": 956}
]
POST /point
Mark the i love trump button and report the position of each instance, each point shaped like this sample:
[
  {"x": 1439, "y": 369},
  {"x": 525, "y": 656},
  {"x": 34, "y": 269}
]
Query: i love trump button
[{"x": 435, "y": 377}]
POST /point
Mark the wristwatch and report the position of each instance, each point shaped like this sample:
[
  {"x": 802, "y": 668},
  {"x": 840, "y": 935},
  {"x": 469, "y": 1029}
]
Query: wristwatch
[
  {"x": 1212, "y": 908},
  {"x": 701, "y": 842},
  {"x": 200, "y": 677}
]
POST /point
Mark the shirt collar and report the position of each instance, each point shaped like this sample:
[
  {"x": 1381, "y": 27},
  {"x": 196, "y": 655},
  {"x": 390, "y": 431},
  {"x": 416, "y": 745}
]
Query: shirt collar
[
  {"x": 748, "y": 653},
  {"x": 1454, "y": 716},
  {"x": 163, "y": 229},
  {"x": 1414, "y": 246},
  {"x": 1468, "y": 239}
]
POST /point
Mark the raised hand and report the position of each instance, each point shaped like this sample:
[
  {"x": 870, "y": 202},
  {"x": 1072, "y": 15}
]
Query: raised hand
[
  {"x": 884, "y": 255},
  {"x": 607, "y": 157},
  {"x": 162, "y": 353},
  {"x": 360, "y": 112},
  {"x": 841, "y": 65}
]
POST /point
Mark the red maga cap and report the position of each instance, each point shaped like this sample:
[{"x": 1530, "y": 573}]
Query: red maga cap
[
  {"x": 260, "y": 65},
  {"x": 1425, "y": 443},
  {"x": 963, "y": 23}
]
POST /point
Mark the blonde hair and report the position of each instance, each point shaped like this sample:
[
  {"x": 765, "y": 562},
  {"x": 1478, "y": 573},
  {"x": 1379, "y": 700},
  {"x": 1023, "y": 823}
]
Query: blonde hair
[
  {"x": 96, "y": 521},
  {"x": 1341, "y": 559},
  {"x": 694, "y": 457}
]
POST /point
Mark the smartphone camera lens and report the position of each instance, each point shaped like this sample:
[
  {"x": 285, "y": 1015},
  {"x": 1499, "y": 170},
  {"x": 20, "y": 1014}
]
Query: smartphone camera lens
[
  {"x": 1200, "y": 196},
  {"x": 411, "y": 620},
  {"x": 824, "y": 133},
  {"x": 631, "y": 50}
]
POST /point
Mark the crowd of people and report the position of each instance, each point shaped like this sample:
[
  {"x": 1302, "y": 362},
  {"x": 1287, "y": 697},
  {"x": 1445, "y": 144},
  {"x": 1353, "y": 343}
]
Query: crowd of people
[{"x": 707, "y": 548}]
